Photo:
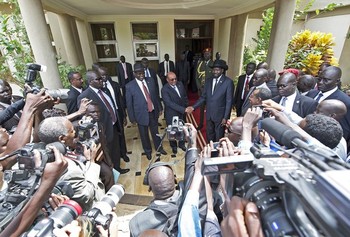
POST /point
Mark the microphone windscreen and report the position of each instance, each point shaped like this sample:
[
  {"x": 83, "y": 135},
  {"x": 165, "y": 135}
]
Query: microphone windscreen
[{"x": 282, "y": 133}]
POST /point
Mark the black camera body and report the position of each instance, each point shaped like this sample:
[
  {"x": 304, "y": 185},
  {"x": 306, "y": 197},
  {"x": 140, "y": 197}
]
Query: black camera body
[
  {"x": 87, "y": 134},
  {"x": 32, "y": 72},
  {"x": 175, "y": 131}
]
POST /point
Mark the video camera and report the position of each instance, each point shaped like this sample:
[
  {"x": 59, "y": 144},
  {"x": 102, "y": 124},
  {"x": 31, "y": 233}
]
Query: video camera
[
  {"x": 175, "y": 131},
  {"x": 87, "y": 134},
  {"x": 305, "y": 195},
  {"x": 32, "y": 71},
  {"x": 23, "y": 182}
]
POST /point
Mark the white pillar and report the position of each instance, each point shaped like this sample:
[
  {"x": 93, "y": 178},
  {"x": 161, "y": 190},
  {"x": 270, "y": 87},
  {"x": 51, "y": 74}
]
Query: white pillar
[
  {"x": 236, "y": 49},
  {"x": 280, "y": 33},
  {"x": 38, "y": 34}
]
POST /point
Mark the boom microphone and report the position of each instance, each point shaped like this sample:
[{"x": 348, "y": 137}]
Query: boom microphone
[{"x": 282, "y": 133}]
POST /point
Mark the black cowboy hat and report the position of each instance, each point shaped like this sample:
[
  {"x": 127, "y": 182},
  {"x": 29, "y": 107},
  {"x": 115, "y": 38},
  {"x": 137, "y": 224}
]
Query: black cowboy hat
[
  {"x": 220, "y": 64},
  {"x": 138, "y": 67}
]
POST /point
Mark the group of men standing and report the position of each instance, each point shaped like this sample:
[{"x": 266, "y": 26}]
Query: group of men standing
[{"x": 141, "y": 96}]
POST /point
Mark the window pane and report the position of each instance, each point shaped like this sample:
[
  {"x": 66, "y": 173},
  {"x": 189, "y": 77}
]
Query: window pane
[
  {"x": 144, "y": 31},
  {"x": 103, "y": 31},
  {"x": 106, "y": 51}
]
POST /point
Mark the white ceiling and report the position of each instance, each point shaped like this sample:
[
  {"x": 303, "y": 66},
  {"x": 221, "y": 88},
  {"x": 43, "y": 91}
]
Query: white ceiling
[{"x": 217, "y": 8}]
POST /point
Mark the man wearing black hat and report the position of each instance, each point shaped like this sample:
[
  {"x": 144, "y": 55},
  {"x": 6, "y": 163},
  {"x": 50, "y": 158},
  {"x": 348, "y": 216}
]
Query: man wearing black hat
[
  {"x": 217, "y": 94},
  {"x": 144, "y": 108}
]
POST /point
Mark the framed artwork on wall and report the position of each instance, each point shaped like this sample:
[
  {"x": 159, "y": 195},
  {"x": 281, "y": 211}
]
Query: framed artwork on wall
[{"x": 148, "y": 49}]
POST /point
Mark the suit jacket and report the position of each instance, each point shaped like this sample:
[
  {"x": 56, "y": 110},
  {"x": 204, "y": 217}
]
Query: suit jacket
[
  {"x": 312, "y": 93},
  {"x": 237, "y": 101},
  {"x": 174, "y": 104},
  {"x": 183, "y": 71},
  {"x": 121, "y": 74},
  {"x": 136, "y": 102},
  {"x": 273, "y": 88},
  {"x": 105, "y": 116},
  {"x": 339, "y": 95},
  {"x": 161, "y": 71},
  {"x": 219, "y": 103},
  {"x": 154, "y": 78},
  {"x": 121, "y": 114},
  {"x": 302, "y": 105},
  {"x": 71, "y": 101}
]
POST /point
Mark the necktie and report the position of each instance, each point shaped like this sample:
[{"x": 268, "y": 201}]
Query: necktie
[
  {"x": 109, "y": 107},
  {"x": 147, "y": 73},
  {"x": 283, "y": 102},
  {"x": 177, "y": 90},
  {"x": 148, "y": 97},
  {"x": 319, "y": 96},
  {"x": 125, "y": 73}
]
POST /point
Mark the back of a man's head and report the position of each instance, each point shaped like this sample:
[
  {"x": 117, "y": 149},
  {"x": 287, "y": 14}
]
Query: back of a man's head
[
  {"x": 161, "y": 181},
  {"x": 152, "y": 233},
  {"x": 50, "y": 129},
  {"x": 324, "y": 128},
  {"x": 332, "y": 108}
]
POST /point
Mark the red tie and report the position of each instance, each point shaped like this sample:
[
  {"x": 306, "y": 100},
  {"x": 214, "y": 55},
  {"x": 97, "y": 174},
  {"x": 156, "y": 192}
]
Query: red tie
[
  {"x": 109, "y": 107},
  {"x": 148, "y": 97}
]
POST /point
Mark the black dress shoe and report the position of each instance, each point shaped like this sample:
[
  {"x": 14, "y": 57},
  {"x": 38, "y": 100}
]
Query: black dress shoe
[
  {"x": 174, "y": 150},
  {"x": 126, "y": 158},
  {"x": 162, "y": 151},
  {"x": 123, "y": 171},
  {"x": 183, "y": 147},
  {"x": 149, "y": 156}
]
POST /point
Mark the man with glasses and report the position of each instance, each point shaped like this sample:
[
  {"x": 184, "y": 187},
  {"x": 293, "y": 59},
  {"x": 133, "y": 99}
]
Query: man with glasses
[
  {"x": 108, "y": 115},
  {"x": 290, "y": 98},
  {"x": 75, "y": 89},
  {"x": 175, "y": 101}
]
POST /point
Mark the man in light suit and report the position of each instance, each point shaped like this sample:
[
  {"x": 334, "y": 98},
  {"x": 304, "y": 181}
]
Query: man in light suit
[
  {"x": 108, "y": 115},
  {"x": 124, "y": 73},
  {"x": 165, "y": 67},
  {"x": 217, "y": 94},
  {"x": 175, "y": 102},
  {"x": 144, "y": 108},
  {"x": 243, "y": 87},
  {"x": 290, "y": 98}
]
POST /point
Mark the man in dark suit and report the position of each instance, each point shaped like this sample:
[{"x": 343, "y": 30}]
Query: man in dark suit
[
  {"x": 150, "y": 73},
  {"x": 175, "y": 102},
  {"x": 183, "y": 70},
  {"x": 76, "y": 88},
  {"x": 327, "y": 83},
  {"x": 243, "y": 87},
  {"x": 108, "y": 114},
  {"x": 271, "y": 82},
  {"x": 217, "y": 93},
  {"x": 144, "y": 108},
  {"x": 112, "y": 89},
  {"x": 165, "y": 67},
  {"x": 290, "y": 98},
  {"x": 124, "y": 73}
]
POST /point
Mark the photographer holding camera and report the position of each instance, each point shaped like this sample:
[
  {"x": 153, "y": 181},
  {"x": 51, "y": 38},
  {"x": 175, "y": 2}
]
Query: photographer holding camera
[
  {"x": 84, "y": 177},
  {"x": 50, "y": 176}
]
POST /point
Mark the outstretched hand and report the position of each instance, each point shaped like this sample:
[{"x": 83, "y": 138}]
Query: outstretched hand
[{"x": 243, "y": 219}]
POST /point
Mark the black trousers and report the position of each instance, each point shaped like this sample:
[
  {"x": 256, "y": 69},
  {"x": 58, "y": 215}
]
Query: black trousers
[
  {"x": 144, "y": 133},
  {"x": 214, "y": 131}
]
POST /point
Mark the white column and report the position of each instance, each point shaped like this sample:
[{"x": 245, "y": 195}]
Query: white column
[
  {"x": 280, "y": 33},
  {"x": 236, "y": 48},
  {"x": 38, "y": 34}
]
